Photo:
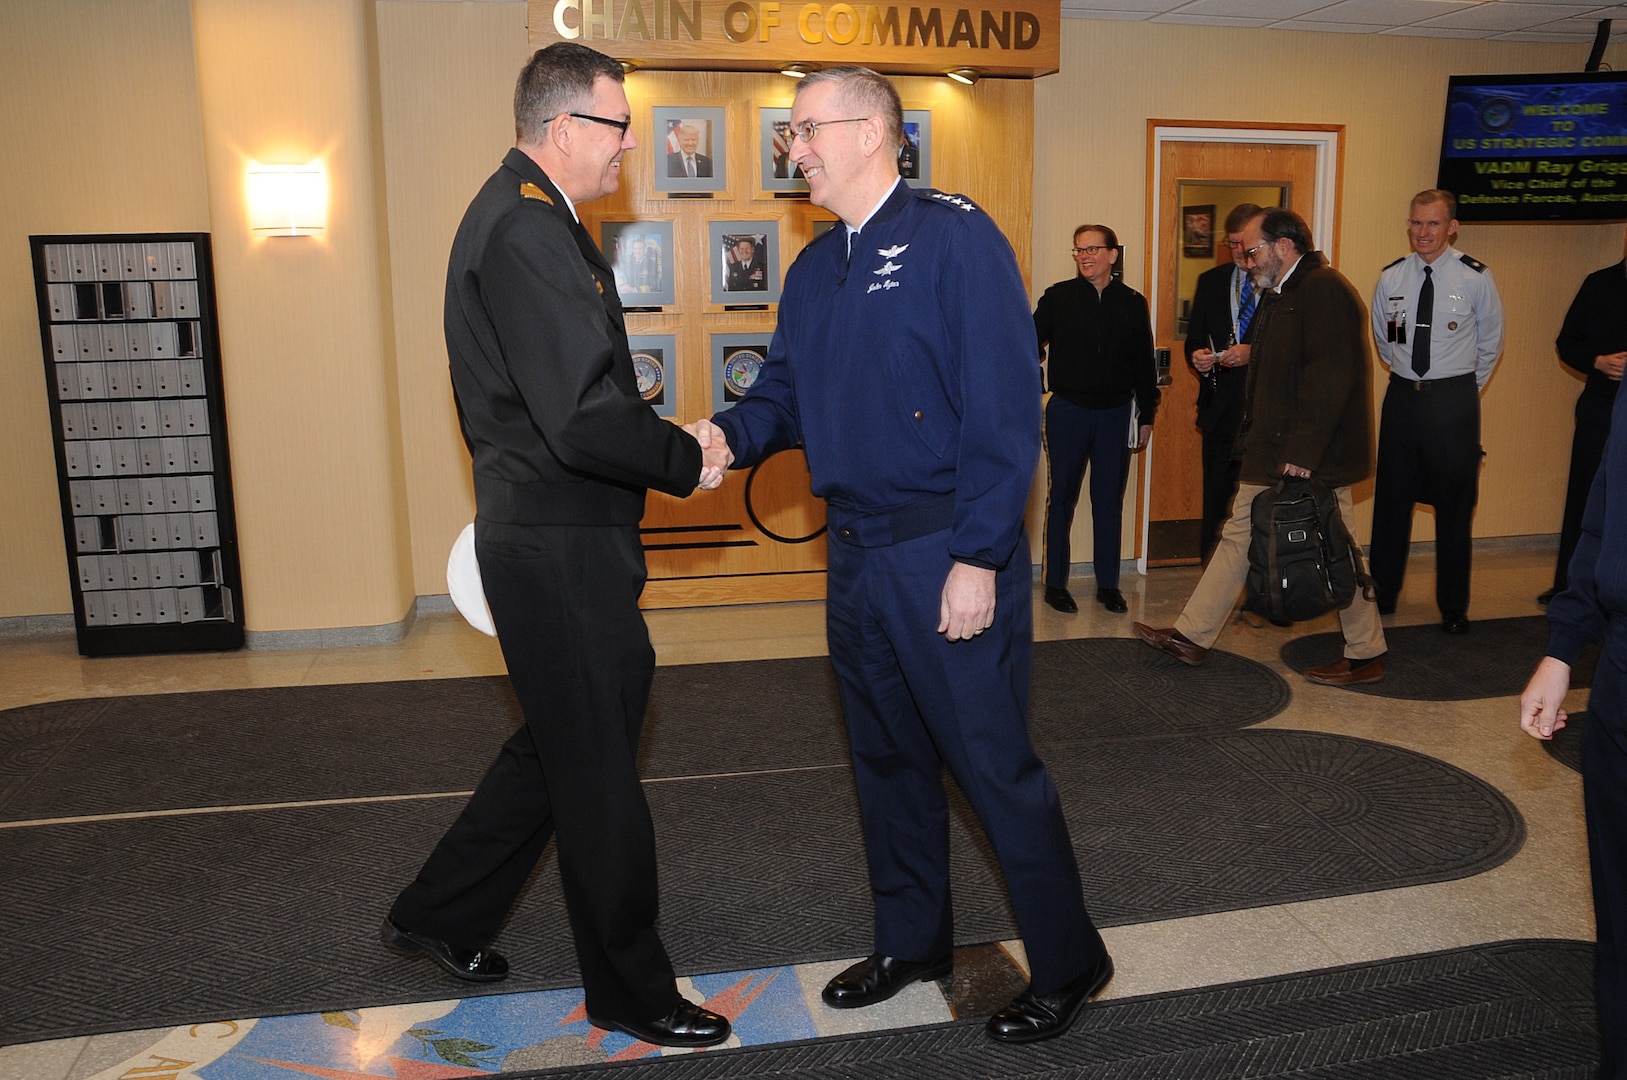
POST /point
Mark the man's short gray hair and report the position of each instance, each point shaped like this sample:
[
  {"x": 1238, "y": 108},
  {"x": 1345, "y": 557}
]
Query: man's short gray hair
[
  {"x": 864, "y": 92},
  {"x": 558, "y": 79}
]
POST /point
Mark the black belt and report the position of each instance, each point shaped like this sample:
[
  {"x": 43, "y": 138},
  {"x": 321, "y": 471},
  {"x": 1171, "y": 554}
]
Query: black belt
[
  {"x": 882, "y": 528},
  {"x": 1430, "y": 384}
]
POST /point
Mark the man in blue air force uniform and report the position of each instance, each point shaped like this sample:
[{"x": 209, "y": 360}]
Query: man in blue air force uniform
[
  {"x": 1438, "y": 325},
  {"x": 909, "y": 373}
]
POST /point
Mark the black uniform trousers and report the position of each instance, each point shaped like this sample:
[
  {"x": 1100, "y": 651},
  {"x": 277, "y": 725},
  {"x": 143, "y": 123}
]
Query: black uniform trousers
[
  {"x": 916, "y": 702},
  {"x": 1428, "y": 452},
  {"x": 1604, "y": 795},
  {"x": 565, "y": 602},
  {"x": 1587, "y": 450},
  {"x": 1219, "y": 420}
]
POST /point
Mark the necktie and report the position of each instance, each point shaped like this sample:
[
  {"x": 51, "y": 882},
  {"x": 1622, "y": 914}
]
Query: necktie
[
  {"x": 1246, "y": 300},
  {"x": 689, "y": 163},
  {"x": 1420, "y": 325}
]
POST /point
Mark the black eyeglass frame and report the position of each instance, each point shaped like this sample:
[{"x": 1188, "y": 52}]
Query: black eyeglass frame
[{"x": 619, "y": 125}]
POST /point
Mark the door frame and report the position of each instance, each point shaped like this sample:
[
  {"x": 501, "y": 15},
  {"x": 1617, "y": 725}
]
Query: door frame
[{"x": 1329, "y": 142}]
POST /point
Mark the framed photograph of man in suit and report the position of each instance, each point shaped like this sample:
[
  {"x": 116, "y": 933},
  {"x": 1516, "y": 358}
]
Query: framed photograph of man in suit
[
  {"x": 641, "y": 254},
  {"x": 692, "y": 158},
  {"x": 655, "y": 363},
  {"x": 745, "y": 262}
]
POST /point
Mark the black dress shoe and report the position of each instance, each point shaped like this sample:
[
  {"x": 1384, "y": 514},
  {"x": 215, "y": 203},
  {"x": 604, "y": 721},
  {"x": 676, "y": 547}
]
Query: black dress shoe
[
  {"x": 470, "y": 965},
  {"x": 1112, "y": 600},
  {"x": 1033, "y": 1017},
  {"x": 1547, "y": 595},
  {"x": 686, "y": 1025},
  {"x": 877, "y": 978},
  {"x": 1061, "y": 599},
  {"x": 1454, "y": 622}
]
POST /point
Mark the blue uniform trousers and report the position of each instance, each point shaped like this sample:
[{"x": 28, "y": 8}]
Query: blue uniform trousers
[
  {"x": 916, "y": 702},
  {"x": 1604, "y": 793},
  {"x": 1075, "y": 437}
]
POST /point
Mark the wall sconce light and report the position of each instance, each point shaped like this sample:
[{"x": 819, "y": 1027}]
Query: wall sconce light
[
  {"x": 287, "y": 200},
  {"x": 796, "y": 71},
  {"x": 968, "y": 76},
  {"x": 629, "y": 66}
]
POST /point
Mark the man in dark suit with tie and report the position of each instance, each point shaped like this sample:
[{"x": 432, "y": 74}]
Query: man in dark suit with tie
[
  {"x": 1217, "y": 347},
  {"x": 563, "y": 449},
  {"x": 689, "y": 161}
]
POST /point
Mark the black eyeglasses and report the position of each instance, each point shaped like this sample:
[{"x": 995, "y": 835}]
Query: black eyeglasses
[
  {"x": 621, "y": 126},
  {"x": 1093, "y": 249},
  {"x": 809, "y": 128}
]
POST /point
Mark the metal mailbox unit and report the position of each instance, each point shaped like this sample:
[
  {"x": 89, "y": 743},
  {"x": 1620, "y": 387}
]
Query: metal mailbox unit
[{"x": 133, "y": 364}]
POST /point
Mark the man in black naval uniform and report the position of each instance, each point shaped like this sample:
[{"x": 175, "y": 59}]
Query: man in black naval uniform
[
  {"x": 563, "y": 450},
  {"x": 905, "y": 364},
  {"x": 1223, "y": 306},
  {"x": 1593, "y": 340}
]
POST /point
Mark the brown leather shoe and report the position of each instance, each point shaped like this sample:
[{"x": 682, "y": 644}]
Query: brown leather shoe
[
  {"x": 1348, "y": 672},
  {"x": 1171, "y": 641}
]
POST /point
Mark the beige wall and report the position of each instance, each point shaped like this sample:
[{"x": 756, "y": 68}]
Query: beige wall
[
  {"x": 349, "y": 470},
  {"x": 306, "y": 340},
  {"x": 446, "y": 83},
  {"x": 1389, "y": 92},
  {"x": 89, "y": 147}
]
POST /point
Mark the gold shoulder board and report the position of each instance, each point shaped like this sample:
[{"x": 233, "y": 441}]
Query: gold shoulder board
[{"x": 532, "y": 191}]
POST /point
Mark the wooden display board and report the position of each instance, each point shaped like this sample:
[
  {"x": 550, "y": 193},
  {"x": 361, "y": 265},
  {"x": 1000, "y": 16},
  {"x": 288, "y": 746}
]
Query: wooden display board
[{"x": 701, "y": 320}]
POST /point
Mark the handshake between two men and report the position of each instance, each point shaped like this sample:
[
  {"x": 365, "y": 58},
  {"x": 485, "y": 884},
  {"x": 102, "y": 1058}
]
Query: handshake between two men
[{"x": 716, "y": 457}]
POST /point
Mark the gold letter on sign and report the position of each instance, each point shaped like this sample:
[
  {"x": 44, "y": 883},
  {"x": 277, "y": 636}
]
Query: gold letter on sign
[
  {"x": 730, "y": 30},
  {"x": 569, "y": 33}
]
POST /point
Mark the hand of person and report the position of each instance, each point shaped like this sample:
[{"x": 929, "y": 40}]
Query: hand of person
[
  {"x": 1612, "y": 364},
  {"x": 1204, "y": 360},
  {"x": 716, "y": 457},
  {"x": 1141, "y": 438},
  {"x": 1236, "y": 356},
  {"x": 1296, "y": 472},
  {"x": 967, "y": 606},
  {"x": 1540, "y": 711}
]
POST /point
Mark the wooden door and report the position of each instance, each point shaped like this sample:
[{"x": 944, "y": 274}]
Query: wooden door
[{"x": 1175, "y": 504}]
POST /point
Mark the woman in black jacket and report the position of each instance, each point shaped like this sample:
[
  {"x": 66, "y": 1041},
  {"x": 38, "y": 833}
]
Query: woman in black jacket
[{"x": 1097, "y": 333}]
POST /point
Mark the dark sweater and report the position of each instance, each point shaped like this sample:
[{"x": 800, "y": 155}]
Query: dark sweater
[
  {"x": 1593, "y": 606},
  {"x": 1100, "y": 345}
]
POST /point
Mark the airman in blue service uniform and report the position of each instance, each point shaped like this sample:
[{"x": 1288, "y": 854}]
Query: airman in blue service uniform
[
  {"x": 905, "y": 364},
  {"x": 1438, "y": 324}
]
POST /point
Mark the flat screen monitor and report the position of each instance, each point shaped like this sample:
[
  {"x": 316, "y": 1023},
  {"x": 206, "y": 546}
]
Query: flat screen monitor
[{"x": 1536, "y": 147}]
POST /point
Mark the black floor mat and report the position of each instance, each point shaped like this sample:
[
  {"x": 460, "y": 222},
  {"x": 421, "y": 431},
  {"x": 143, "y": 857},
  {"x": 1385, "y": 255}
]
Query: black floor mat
[
  {"x": 291, "y": 744},
  {"x": 1495, "y": 659},
  {"x": 162, "y": 920},
  {"x": 1508, "y": 1011}
]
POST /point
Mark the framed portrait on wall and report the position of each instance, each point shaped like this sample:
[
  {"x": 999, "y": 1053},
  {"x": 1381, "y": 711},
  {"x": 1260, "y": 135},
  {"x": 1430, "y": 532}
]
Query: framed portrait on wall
[
  {"x": 641, "y": 254},
  {"x": 737, "y": 360},
  {"x": 915, "y": 159},
  {"x": 777, "y": 175},
  {"x": 1198, "y": 231},
  {"x": 692, "y": 159},
  {"x": 745, "y": 262},
  {"x": 655, "y": 362}
]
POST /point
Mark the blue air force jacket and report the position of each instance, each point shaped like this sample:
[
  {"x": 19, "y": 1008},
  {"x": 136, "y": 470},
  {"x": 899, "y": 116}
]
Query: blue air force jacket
[{"x": 906, "y": 373}]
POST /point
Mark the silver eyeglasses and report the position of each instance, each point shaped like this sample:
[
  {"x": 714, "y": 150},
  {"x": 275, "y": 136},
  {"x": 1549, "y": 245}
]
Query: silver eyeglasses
[{"x": 809, "y": 128}]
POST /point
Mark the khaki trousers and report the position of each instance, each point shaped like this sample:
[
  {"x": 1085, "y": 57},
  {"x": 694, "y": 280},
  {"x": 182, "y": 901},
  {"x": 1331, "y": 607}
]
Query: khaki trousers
[{"x": 1211, "y": 604}]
